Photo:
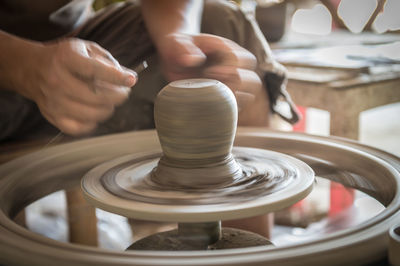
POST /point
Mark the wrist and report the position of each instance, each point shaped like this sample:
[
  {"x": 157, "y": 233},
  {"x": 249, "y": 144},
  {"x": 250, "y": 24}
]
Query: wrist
[{"x": 18, "y": 67}]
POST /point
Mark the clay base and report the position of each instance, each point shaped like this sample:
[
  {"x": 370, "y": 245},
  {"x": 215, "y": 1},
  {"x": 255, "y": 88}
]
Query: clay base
[{"x": 170, "y": 240}]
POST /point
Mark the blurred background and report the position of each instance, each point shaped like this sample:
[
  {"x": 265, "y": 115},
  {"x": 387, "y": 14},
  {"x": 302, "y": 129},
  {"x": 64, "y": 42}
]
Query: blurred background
[{"x": 343, "y": 61}]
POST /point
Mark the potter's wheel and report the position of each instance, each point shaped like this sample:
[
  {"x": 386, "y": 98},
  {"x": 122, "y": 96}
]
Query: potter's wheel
[
  {"x": 270, "y": 181},
  {"x": 33, "y": 176},
  {"x": 197, "y": 177},
  {"x": 197, "y": 180}
]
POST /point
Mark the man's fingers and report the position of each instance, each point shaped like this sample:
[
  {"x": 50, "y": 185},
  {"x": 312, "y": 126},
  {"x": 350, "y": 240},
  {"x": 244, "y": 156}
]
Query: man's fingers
[
  {"x": 94, "y": 93},
  {"x": 68, "y": 125},
  {"x": 226, "y": 51},
  {"x": 244, "y": 99},
  {"x": 89, "y": 68},
  {"x": 190, "y": 55},
  {"x": 96, "y": 50},
  {"x": 98, "y": 70},
  {"x": 85, "y": 113},
  {"x": 74, "y": 127},
  {"x": 237, "y": 79},
  {"x": 114, "y": 94},
  {"x": 185, "y": 52},
  {"x": 75, "y": 118},
  {"x": 84, "y": 86}
]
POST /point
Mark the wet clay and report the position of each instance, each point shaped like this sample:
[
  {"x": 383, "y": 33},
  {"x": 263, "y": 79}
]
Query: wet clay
[
  {"x": 261, "y": 173},
  {"x": 196, "y": 123}
]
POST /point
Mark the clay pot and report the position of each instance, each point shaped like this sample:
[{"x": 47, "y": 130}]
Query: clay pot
[{"x": 196, "y": 122}]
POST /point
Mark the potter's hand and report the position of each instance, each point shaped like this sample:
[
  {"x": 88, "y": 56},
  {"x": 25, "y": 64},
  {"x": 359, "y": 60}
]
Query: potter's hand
[
  {"x": 76, "y": 84},
  {"x": 210, "y": 56}
]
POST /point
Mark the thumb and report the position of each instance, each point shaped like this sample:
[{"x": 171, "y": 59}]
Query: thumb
[{"x": 187, "y": 53}]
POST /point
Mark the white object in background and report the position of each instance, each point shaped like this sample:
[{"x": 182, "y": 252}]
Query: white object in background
[
  {"x": 389, "y": 18},
  {"x": 316, "y": 21},
  {"x": 356, "y": 13}
]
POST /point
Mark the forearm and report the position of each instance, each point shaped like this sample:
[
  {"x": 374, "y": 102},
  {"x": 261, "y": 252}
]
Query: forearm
[
  {"x": 16, "y": 57},
  {"x": 173, "y": 16}
]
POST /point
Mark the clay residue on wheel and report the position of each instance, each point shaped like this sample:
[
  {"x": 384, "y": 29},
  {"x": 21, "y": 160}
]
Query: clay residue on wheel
[{"x": 261, "y": 175}]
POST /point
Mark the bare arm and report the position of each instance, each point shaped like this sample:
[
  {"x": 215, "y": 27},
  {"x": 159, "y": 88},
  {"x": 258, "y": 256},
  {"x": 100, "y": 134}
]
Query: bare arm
[
  {"x": 12, "y": 61},
  {"x": 168, "y": 21},
  {"x": 174, "y": 16},
  {"x": 76, "y": 84}
]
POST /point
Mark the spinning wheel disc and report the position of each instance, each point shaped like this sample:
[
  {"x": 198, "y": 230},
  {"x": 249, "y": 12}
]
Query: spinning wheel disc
[
  {"x": 33, "y": 176},
  {"x": 270, "y": 181}
]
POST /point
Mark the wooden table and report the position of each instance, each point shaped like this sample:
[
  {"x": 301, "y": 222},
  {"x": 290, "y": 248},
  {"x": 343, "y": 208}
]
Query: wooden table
[
  {"x": 346, "y": 99},
  {"x": 323, "y": 75}
]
